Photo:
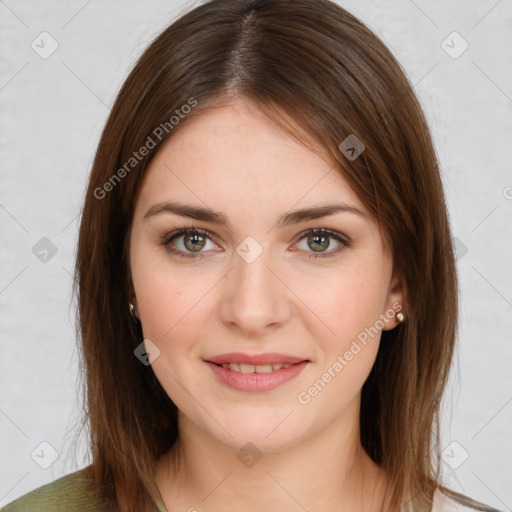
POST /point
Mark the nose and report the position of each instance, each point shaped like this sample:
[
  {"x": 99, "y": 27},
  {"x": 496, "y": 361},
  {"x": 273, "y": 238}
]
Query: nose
[{"x": 255, "y": 298}]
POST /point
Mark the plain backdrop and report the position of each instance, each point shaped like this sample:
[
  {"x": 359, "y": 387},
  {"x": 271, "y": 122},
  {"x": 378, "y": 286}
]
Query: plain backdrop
[{"x": 52, "y": 110}]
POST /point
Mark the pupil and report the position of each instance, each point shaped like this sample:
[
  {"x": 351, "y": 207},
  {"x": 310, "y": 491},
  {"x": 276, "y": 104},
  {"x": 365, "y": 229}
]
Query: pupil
[
  {"x": 196, "y": 242},
  {"x": 323, "y": 239}
]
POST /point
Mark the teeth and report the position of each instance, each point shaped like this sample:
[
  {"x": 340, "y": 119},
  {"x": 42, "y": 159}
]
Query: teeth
[
  {"x": 251, "y": 368},
  {"x": 247, "y": 368}
]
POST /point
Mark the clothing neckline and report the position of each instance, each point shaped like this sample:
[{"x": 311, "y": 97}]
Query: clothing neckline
[{"x": 439, "y": 502}]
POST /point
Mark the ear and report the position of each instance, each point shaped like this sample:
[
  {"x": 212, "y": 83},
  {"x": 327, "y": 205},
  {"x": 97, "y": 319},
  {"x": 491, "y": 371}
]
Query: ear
[{"x": 394, "y": 302}]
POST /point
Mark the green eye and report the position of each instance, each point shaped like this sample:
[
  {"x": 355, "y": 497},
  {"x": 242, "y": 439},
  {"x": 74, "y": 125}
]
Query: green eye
[
  {"x": 320, "y": 239},
  {"x": 195, "y": 240}
]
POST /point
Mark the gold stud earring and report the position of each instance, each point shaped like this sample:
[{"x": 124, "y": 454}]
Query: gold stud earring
[{"x": 400, "y": 317}]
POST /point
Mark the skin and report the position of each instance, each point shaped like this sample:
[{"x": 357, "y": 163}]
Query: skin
[{"x": 234, "y": 160}]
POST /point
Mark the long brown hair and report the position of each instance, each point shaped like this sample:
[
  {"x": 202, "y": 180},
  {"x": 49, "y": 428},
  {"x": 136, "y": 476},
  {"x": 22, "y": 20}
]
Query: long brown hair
[{"x": 323, "y": 76}]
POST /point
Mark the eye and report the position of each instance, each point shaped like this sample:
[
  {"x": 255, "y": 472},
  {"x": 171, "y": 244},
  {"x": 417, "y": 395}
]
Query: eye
[
  {"x": 194, "y": 240},
  {"x": 319, "y": 241}
]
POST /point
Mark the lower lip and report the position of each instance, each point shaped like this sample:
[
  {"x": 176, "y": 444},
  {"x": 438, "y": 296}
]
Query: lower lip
[{"x": 256, "y": 381}]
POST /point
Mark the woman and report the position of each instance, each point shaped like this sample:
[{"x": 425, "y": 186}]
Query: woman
[{"x": 266, "y": 281}]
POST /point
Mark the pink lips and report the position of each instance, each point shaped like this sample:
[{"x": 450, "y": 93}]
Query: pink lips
[
  {"x": 256, "y": 382},
  {"x": 259, "y": 359}
]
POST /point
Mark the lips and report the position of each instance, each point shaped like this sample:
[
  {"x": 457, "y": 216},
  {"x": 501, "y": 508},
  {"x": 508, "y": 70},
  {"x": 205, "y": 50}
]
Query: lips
[
  {"x": 255, "y": 372},
  {"x": 255, "y": 359}
]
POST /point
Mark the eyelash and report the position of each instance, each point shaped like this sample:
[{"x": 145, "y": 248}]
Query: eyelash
[{"x": 167, "y": 239}]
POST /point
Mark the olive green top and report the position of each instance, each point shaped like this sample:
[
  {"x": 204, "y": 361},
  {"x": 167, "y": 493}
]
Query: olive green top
[{"x": 70, "y": 493}]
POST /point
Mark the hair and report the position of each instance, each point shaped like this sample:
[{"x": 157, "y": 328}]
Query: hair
[{"x": 321, "y": 75}]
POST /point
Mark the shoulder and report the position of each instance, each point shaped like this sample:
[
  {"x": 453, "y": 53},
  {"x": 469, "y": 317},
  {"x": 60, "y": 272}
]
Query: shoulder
[
  {"x": 70, "y": 493},
  {"x": 446, "y": 500}
]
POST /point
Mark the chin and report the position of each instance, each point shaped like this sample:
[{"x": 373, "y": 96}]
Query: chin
[{"x": 268, "y": 433}]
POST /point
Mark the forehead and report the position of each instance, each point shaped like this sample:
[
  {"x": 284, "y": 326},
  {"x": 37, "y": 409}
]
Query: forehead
[{"x": 235, "y": 155}]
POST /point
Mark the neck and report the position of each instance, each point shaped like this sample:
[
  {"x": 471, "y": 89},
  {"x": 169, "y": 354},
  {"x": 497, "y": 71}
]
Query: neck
[{"x": 200, "y": 473}]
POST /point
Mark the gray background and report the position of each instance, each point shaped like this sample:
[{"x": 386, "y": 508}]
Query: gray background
[{"x": 52, "y": 111}]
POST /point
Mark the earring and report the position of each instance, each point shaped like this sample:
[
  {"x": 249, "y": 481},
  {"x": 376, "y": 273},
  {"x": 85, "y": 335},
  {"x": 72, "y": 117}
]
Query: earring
[
  {"x": 400, "y": 317},
  {"x": 132, "y": 311}
]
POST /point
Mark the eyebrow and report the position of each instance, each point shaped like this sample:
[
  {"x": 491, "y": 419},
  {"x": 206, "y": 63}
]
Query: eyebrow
[{"x": 294, "y": 217}]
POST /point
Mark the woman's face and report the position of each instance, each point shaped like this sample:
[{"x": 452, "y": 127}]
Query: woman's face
[{"x": 255, "y": 292}]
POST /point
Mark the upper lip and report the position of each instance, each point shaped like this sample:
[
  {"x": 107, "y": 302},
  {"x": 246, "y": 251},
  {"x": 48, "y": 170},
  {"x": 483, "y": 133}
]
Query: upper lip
[{"x": 255, "y": 359}]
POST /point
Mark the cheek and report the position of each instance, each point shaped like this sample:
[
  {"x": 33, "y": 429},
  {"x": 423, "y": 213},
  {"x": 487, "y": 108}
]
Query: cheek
[
  {"x": 350, "y": 302},
  {"x": 166, "y": 310},
  {"x": 350, "y": 306},
  {"x": 173, "y": 307},
  {"x": 162, "y": 296},
  {"x": 172, "y": 316}
]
